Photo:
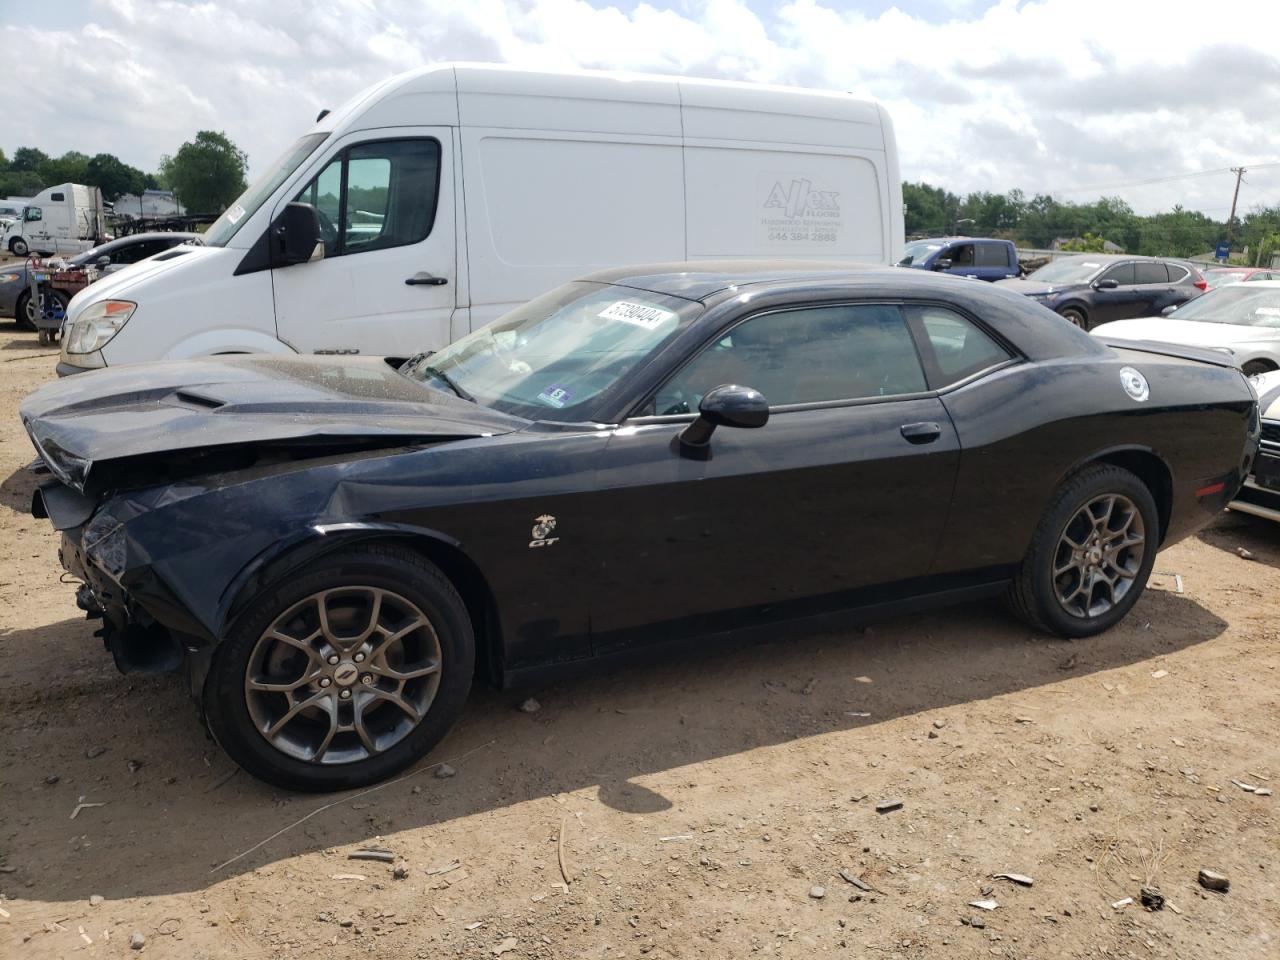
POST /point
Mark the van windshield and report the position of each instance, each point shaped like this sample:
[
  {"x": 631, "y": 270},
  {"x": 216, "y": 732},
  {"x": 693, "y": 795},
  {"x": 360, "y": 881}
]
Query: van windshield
[
  {"x": 247, "y": 204},
  {"x": 555, "y": 357}
]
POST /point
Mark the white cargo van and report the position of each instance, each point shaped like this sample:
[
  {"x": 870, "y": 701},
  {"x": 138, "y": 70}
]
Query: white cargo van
[
  {"x": 445, "y": 196},
  {"x": 62, "y": 220}
]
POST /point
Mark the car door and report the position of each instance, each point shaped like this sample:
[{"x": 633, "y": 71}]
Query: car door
[
  {"x": 845, "y": 488},
  {"x": 1113, "y": 303},
  {"x": 991, "y": 261},
  {"x": 962, "y": 257},
  {"x": 1153, "y": 290},
  {"x": 386, "y": 283}
]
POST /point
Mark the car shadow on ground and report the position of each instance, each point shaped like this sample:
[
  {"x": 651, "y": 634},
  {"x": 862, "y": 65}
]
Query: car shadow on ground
[
  {"x": 16, "y": 489},
  {"x": 176, "y": 806},
  {"x": 1234, "y": 531}
]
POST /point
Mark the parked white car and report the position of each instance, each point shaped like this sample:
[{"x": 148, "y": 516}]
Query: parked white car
[
  {"x": 1240, "y": 318},
  {"x": 1260, "y": 494},
  {"x": 441, "y": 198}
]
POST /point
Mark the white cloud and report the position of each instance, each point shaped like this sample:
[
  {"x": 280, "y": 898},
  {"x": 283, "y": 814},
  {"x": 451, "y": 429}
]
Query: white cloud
[{"x": 1046, "y": 95}]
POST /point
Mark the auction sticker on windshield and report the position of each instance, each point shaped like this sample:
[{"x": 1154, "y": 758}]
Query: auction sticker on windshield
[
  {"x": 636, "y": 314},
  {"x": 555, "y": 396}
]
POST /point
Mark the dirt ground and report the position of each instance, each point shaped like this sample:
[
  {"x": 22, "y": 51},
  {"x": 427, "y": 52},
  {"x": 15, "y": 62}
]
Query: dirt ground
[{"x": 703, "y": 806}]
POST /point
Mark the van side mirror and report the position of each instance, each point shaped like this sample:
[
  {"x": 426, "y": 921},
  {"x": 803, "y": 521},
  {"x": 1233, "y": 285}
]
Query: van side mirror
[
  {"x": 1108, "y": 284},
  {"x": 728, "y": 405},
  {"x": 297, "y": 234},
  {"x": 943, "y": 264}
]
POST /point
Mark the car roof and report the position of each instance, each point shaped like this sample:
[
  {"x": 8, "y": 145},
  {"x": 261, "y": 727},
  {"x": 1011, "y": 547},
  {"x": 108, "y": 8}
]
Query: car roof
[{"x": 697, "y": 280}]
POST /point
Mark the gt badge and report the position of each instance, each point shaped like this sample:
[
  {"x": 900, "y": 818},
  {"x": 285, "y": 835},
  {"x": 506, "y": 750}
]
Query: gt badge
[
  {"x": 543, "y": 527},
  {"x": 1135, "y": 384}
]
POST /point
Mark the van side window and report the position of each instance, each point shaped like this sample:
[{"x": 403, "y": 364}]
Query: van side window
[{"x": 377, "y": 195}]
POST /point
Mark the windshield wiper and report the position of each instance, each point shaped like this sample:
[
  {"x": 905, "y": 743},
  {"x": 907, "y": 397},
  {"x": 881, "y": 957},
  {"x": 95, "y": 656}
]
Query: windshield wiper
[{"x": 448, "y": 381}]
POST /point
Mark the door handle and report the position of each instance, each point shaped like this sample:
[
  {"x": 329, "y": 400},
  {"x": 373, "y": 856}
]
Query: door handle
[
  {"x": 424, "y": 279},
  {"x": 921, "y": 432}
]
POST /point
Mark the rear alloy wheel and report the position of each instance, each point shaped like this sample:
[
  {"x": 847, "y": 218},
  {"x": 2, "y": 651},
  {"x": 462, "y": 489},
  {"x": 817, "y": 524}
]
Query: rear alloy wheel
[
  {"x": 1091, "y": 554},
  {"x": 344, "y": 676},
  {"x": 1076, "y": 316}
]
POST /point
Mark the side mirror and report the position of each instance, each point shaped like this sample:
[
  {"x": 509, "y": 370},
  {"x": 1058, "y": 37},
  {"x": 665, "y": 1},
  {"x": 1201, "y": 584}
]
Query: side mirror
[
  {"x": 1108, "y": 284},
  {"x": 102, "y": 261},
  {"x": 297, "y": 234},
  {"x": 943, "y": 264},
  {"x": 727, "y": 405},
  {"x": 1168, "y": 310}
]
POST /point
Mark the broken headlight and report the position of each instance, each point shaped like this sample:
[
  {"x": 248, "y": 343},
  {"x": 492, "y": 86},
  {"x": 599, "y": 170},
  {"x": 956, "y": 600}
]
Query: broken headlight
[{"x": 97, "y": 324}]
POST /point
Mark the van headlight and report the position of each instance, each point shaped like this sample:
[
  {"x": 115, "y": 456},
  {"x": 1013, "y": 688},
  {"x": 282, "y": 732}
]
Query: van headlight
[{"x": 97, "y": 324}]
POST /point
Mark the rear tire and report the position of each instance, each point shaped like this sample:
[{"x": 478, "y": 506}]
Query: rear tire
[
  {"x": 1084, "y": 572},
  {"x": 375, "y": 704},
  {"x": 1076, "y": 316}
]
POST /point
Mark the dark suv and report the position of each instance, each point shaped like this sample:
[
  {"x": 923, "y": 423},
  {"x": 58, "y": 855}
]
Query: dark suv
[{"x": 1096, "y": 288}]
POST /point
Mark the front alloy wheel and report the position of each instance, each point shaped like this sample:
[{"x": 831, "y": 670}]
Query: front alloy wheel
[{"x": 343, "y": 675}]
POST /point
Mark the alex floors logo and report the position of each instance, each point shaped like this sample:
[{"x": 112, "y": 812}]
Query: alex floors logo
[
  {"x": 799, "y": 199},
  {"x": 797, "y": 213}
]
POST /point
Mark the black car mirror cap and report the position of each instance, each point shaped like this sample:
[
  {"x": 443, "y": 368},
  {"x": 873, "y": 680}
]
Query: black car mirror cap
[
  {"x": 1107, "y": 284},
  {"x": 1169, "y": 309},
  {"x": 943, "y": 264},
  {"x": 297, "y": 231},
  {"x": 728, "y": 405}
]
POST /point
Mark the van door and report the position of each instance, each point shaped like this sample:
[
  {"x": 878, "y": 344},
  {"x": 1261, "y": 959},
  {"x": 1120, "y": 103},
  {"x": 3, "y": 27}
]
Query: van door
[{"x": 386, "y": 284}]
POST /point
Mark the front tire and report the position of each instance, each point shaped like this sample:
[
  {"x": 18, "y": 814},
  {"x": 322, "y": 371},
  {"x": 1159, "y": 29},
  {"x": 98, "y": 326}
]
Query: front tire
[
  {"x": 18, "y": 247},
  {"x": 345, "y": 675},
  {"x": 1076, "y": 316},
  {"x": 1091, "y": 554}
]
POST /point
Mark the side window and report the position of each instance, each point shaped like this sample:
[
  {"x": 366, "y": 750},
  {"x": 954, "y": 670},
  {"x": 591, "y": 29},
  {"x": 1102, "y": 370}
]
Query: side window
[
  {"x": 33, "y": 213},
  {"x": 809, "y": 355},
  {"x": 960, "y": 348},
  {"x": 374, "y": 196},
  {"x": 57, "y": 197},
  {"x": 1121, "y": 273},
  {"x": 1177, "y": 272},
  {"x": 961, "y": 255},
  {"x": 1150, "y": 273},
  {"x": 993, "y": 255}
]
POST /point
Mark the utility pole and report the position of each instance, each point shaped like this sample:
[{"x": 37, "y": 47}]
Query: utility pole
[{"x": 1239, "y": 172}]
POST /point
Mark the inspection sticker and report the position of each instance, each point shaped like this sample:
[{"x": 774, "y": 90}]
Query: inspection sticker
[
  {"x": 555, "y": 396},
  {"x": 235, "y": 213},
  {"x": 637, "y": 314}
]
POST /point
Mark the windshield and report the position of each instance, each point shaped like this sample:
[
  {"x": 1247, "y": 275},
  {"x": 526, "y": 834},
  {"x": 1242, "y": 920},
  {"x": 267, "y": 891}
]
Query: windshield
[
  {"x": 554, "y": 357},
  {"x": 1216, "y": 278},
  {"x": 1254, "y": 305},
  {"x": 247, "y": 204},
  {"x": 919, "y": 250},
  {"x": 1068, "y": 270}
]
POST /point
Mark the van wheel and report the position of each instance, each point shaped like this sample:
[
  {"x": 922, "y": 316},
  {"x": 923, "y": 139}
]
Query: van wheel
[
  {"x": 343, "y": 676},
  {"x": 18, "y": 247},
  {"x": 1090, "y": 556}
]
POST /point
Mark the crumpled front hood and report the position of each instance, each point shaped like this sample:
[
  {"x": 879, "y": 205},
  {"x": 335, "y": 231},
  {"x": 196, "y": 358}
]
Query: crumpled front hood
[{"x": 87, "y": 425}]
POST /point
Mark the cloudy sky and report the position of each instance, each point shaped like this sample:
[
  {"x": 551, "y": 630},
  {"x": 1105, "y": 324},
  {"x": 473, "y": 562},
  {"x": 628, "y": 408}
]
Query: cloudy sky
[{"x": 1073, "y": 97}]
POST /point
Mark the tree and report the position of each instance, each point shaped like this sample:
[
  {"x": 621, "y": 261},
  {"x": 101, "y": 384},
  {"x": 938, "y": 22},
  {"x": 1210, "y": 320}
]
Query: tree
[
  {"x": 71, "y": 167},
  {"x": 114, "y": 177},
  {"x": 1089, "y": 243},
  {"x": 27, "y": 159},
  {"x": 930, "y": 210},
  {"x": 206, "y": 173},
  {"x": 4, "y": 163}
]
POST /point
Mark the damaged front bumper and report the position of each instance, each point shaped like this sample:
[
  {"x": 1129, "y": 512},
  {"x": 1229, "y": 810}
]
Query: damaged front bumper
[{"x": 136, "y": 640}]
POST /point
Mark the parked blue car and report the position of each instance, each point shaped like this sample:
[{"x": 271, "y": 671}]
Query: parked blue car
[{"x": 979, "y": 258}]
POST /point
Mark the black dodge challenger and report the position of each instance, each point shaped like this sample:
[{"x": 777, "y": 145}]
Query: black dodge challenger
[{"x": 331, "y": 548}]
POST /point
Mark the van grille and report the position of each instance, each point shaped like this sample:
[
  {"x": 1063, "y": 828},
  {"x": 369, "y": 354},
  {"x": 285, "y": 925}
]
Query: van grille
[{"x": 1271, "y": 431}]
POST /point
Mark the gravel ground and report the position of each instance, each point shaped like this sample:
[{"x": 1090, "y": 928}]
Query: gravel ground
[{"x": 700, "y": 806}]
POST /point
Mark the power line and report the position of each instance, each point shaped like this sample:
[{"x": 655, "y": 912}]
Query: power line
[{"x": 1169, "y": 179}]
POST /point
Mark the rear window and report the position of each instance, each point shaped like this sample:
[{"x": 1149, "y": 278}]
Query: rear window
[
  {"x": 993, "y": 255},
  {"x": 1150, "y": 273},
  {"x": 1177, "y": 272}
]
